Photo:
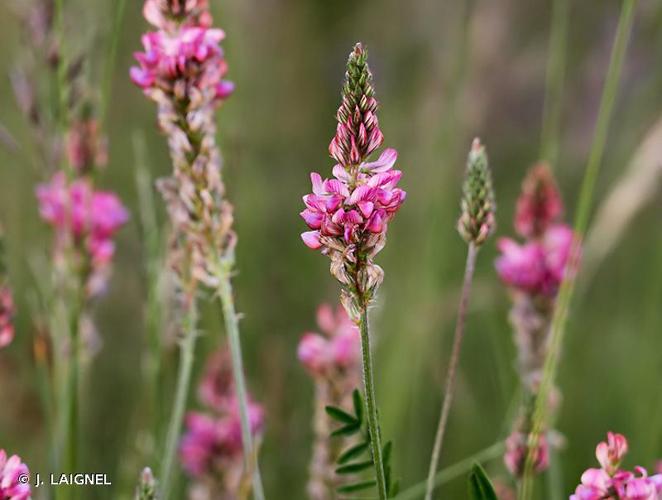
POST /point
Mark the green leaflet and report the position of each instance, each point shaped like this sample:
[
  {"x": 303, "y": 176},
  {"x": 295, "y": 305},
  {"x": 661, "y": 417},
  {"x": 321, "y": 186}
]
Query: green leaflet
[
  {"x": 357, "y": 458},
  {"x": 480, "y": 486}
]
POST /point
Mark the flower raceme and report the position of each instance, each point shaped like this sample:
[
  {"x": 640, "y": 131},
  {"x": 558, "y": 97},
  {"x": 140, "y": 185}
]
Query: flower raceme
[
  {"x": 211, "y": 448},
  {"x": 537, "y": 266},
  {"x": 13, "y": 473},
  {"x": 612, "y": 483},
  {"x": 349, "y": 214}
]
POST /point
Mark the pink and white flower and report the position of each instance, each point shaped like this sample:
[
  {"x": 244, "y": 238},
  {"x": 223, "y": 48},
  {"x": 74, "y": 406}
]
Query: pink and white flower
[
  {"x": 337, "y": 349},
  {"x": 611, "y": 483},
  {"x": 14, "y": 476},
  {"x": 538, "y": 266},
  {"x": 210, "y": 441},
  {"x": 191, "y": 56},
  {"x": 350, "y": 207}
]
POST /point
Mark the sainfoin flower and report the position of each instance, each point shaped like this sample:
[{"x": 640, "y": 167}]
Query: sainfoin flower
[
  {"x": 14, "y": 476},
  {"x": 337, "y": 349},
  {"x": 182, "y": 69},
  {"x": 533, "y": 272},
  {"x": 211, "y": 448},
  {"x": 82, "y": 216},
  {"x": 333, "y": 359},
  {"x": 517, "y": 450},
  {"x": 610, "y": 482},
  {"x": 349, "y": 213},
  {"x": 211, "y": 442},
  {"x": 540, "y": 205},
  {"x": 6, "y": 316},
  {"x": 537, "y": 266},
  {"x": 183, "y": 62}
]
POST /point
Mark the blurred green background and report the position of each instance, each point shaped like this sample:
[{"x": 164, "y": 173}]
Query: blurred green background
[{"x": 444, "y": 73}]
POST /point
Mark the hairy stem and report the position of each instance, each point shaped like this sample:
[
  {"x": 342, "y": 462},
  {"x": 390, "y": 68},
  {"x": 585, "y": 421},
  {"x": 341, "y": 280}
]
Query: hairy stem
[
  {"x": 226, "y": 295},
  {"x": 566, "y": 292},
  {"x": 187, "y": 350},
  {"x": 452, "y": 367},
  {"x": 371, "y": 404}
]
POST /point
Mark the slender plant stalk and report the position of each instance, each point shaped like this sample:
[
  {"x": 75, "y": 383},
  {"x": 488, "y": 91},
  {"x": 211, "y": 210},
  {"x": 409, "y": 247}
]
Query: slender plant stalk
[
  {"x": 111, "y": 59},
  {"x": 560, "y": 316},
  {"x": 453, "y": 471},
  {"x": 187, "y": 350},
  {"x": 371, "y": 404},
  {"x": 555, "y": 77},
  {"x": 231, "y": 319},
  {"x": 472, "y": 252},
  {"x": 154, "y": 266}
]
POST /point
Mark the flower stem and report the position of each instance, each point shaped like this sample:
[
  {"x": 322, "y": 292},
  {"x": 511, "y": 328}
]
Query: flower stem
[
  {"x": 472, "y": 252},
  {"x": 187, "y": 350},
  {"x": 454, "y": 471},
  {"x": 231, "y": 319},
  {"x": 371, "y": 404},
  {"x": 566, "y": 291}
]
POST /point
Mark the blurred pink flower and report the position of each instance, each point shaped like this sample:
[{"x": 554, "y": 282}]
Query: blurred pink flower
[
  {"x": 610, "y": 483},
  {"x": 7, "y": 311},
  {"x": 536, "y": 267},
  {"x": 517, "y": 450},
  {"x": 87, "y": 217},
  {"x": 339, "y": 348},
  {"x": 539, "y": 205},
  {"x": 210, "y": 441},
  {"x": 191, "y": 56},
  {"x": 14, "y": 476},
  {"x": 216, "y": 388},
  {"x": 78, "y": 207}
]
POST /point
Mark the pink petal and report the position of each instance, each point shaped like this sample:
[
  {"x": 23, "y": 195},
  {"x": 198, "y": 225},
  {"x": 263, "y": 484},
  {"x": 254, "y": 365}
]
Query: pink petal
[
  {"x": 312, "y": 239},
  {"x": 385, "y": 161}
]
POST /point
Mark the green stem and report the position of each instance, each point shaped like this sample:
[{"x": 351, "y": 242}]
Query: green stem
[
  {"x": 187, "y": 350},
  {"x": 371, "y": 404},
  {"x": 452, "y": 367},
  {"x": 554, "y": 82},
  {"x": 560, "y": 316},
  {"x": 453, "y": 471},
  {"x": 111, "y": 59},
  {"x": 154, "y": 266},
  {"x": 226, "y": 295}
]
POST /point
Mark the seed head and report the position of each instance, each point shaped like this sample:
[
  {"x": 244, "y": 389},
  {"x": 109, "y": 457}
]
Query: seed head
[{"x": 477, "y": 220}]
